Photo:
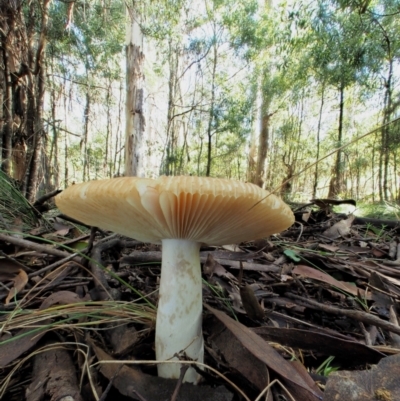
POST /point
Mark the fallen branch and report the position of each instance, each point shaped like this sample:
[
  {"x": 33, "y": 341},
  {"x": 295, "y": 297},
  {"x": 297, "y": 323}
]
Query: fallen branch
[{"x": 356, "y": 315}]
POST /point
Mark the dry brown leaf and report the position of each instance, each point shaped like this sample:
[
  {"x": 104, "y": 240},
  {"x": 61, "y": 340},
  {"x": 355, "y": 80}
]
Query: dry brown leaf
[
  {"x": 129, "y": 380},
  {"x": 20, "y": 281},
  {"x": 9, "y": 267},
  {"x": 346, "y": 351},
  {"x": 340, "y": 229},
  {"x": 237, "y": 357},
  {"x": 315, "y": 274},
  {"x": 211, "y": 266},
  {"x": 254, "y": 344},
  {"x": 25, "y": 339},
  {"x": 329, "y": 248}
]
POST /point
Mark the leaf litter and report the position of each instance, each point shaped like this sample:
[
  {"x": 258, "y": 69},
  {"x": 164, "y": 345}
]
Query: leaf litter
[{"x": 312, "y": 314}]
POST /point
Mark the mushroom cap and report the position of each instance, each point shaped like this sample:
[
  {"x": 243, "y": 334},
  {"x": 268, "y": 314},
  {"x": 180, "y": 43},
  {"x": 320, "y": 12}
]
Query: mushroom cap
[{"x": 207, "y": 210}]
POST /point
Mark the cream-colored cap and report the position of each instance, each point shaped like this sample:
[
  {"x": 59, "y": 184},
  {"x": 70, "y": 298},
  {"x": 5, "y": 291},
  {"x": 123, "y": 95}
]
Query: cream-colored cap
[{"x": 208, "y": 210}]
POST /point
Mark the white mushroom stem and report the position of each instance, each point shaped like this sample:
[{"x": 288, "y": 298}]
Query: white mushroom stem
[{"x": 179, "y": 315}]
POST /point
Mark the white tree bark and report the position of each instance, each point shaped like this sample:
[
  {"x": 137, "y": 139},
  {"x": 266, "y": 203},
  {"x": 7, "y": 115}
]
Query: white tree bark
[{"x": 134, "y": 111}]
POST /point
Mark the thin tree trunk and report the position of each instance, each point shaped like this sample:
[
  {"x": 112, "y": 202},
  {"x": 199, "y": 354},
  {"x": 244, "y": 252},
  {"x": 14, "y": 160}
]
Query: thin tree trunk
[
  {"x": 108, "y": 130},
  {"x": 336, "y": 185},
  {"x": 134, "y": 111},
  {"x": 316, "y": 172},
  {"x": 373, "y": 163},
  {"x": 35, "y": 162},
  {"x": 170, "y": 157},
  {"x": 36, "y": 90},
  {"x": 66, "y": 157},
  {"x": 263, "y": 143},
  {"x": 211, "y": 113},
  {"x": 84, "y": 140},
  {"x": 199, "y": 155},
  {"x": 386, "y": 132},
  {"x": 7, "y": 110},
  {"x": 114, "y": 171},
  {"x": 53, "y": 157}
]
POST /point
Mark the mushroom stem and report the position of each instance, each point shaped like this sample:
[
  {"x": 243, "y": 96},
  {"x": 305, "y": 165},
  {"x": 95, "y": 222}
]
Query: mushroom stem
[{"x": 179, "y": 314}]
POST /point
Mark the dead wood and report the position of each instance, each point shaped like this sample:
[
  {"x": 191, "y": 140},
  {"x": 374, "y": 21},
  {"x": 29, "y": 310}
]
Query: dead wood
[
  {"x": 23, "y": 243},
  {"x": 358, "y": 315},
  {"x": 155, "y": 256},
  {"x": 53, "y": 376}
]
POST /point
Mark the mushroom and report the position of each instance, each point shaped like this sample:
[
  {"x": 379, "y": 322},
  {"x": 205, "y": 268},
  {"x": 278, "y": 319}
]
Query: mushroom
[{"x": 182, "y": 213}]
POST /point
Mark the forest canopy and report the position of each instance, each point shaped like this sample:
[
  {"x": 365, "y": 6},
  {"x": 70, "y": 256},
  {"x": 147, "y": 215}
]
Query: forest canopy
[{"x": 300, "y": 97}]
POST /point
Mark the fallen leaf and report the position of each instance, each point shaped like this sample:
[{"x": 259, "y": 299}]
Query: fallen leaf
[
  {"x": 315, "y": 274},
  {"x": 130, "y": 380},
  {"x": 379, "y": 294},
  {"x": 211, "y": 266},
  {"x": 238, "y": 357},
  {"x": 254, "y": 344},
  {"x": 351, "y": 352},
  {"x": 20, "y": 281},
  {"x": 340, "y": 229},
  {"x": 305, "y": 216},
  {"x": 25, "y": 339},
  {"x": 250, "y": 303},
  {"x": 327, "y": 247}
]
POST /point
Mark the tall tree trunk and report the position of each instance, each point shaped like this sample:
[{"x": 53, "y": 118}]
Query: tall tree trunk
[
  {"x": 53, "y": 158},
  {"x": 200, "y": 153},
  {"x": 36, "y": 56},
  {"x": 212, "y": 106},
  {"x": 263, "y": 119},
  {"x": 11, "y": 24},
  {"x": 119, "y": 139},
  {"x": 134, "y": 110},
  {"x": 66, "y": 157},
  {"x": 316, "y": 172},
  {"x": 35, "y": 161},
  {"x": 108, "y": 150},
  {"x": 385, "y": 136},
  {"x": 7, "y": 106},
  {"x": 336, "y": 184},
  {"x": 170, "y": 156},
  {"x": 84, "y": 140},
  {"x": 263, "y": 142}
]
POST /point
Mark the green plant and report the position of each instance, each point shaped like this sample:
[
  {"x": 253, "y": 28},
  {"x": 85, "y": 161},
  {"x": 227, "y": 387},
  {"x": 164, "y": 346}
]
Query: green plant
[{"x": 325, "y": 369}]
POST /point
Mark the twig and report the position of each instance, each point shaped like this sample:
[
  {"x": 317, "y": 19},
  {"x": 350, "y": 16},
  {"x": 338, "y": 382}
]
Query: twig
[
  {"x": 33, "y": 245},
  {"x": 39, "y": 202},
  {"x": 138, "y": 395},
  {"x": 184, "y": 368},
  {"x": 22, "y": 266},
  {"x": 356, "y": 315},
  {"x": 53, "y": 265},
  {"x": 109, "y": 385},
  {"x": 100, "y": 280}
]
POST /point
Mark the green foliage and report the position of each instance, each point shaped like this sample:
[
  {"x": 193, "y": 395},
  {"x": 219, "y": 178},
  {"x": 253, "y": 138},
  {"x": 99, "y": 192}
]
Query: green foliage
[
  {"x": 214, "y": 67},
  {"x": 14, "y": 208},
  {"x": 325, "y": 369}
]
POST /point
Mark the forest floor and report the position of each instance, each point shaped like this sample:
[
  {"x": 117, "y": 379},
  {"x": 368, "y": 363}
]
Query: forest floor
[{"x": 309, "y": 314}]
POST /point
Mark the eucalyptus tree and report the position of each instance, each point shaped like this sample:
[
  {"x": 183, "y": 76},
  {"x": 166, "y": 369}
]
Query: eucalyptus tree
[
  {"x": 85, "y": 52},
  {"x": 23, "y": 35},
  {"x": 340, "y": 57},
  {"x": 134, "y": 105},
  {"x": 202, "y": 80},
  {"x": 370, "y": 49},
  {"x": 385, "y": 32}
]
